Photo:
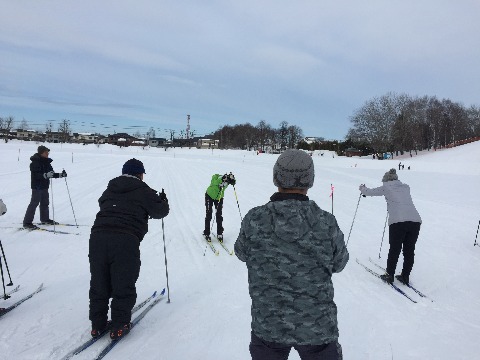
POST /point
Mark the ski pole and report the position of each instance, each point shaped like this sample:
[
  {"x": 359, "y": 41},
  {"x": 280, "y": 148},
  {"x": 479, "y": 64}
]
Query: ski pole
[
  {"x": 238, "y": 205},
  {"x": 165, "y": 253},
  {"x": 71, "y": 204},
  {"x": 354, "y": 218},
  {"x": 5, "y": 296},
  {"x": 53, "y": 206},
  {"x": 477, "y": 234},
  {"x": 6, "y": 264},
  {"x": 384, "y": 227}
]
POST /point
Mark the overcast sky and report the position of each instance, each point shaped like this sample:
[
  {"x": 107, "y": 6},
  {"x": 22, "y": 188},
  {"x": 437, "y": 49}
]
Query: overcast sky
[{"x": 108, "y": 65}]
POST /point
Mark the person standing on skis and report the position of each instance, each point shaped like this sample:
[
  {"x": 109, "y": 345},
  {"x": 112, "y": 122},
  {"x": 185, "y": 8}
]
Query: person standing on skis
[
  {"x": 214, "y": 197},
  {"x": 403, "y": 224},
  {"x": 114, "y": 247},
  {"x": 41, "y": 171},
  {"x": 292, "y": 248}
]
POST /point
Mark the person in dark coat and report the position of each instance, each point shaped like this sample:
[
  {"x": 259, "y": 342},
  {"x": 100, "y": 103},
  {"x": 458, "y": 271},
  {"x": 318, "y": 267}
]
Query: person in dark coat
[
  {"x": 114, "y": 247},
  {"x": 41, "y": 172}
]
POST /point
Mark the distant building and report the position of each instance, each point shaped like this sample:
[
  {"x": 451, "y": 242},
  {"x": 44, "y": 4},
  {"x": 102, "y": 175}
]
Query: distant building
[
  {"x": 353, "y": 152},
  {"x": 26, "y": 135},
  {"x": 84, "y": 138},
  {"x": 120, "y": 139},
  {"x": 56, "y": 137},
  {"x": 155, "y": 142},
  {"x": 207, "y": 144},
  {"x": 311, "y": 139}
]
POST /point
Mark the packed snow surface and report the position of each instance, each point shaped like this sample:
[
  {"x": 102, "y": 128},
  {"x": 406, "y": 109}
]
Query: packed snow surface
[{"x": 209, "y": 313}]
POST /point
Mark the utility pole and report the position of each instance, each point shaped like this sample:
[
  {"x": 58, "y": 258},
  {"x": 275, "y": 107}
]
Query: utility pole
[{"x": 188, "y": 126}]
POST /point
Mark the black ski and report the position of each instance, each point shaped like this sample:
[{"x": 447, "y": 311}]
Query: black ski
[
  {"x": 91, "y": 341},
  {"x": 48, "y": 230},
  {"x": 408, "y": 285},
  {"x": 135, "y": 321},
  {"x": 4, "y": 311},
  {"x": 396, "y": 288}
]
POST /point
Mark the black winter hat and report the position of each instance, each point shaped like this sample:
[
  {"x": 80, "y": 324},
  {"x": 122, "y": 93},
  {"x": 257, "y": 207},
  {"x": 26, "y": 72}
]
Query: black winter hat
[
  {"x": 133, "y": 167},
  {"x": 41, "y": 149}
]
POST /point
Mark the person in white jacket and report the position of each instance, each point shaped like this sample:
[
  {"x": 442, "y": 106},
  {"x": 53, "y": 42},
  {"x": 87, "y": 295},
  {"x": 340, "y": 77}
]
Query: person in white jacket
[{"x": 404, "y": 224}]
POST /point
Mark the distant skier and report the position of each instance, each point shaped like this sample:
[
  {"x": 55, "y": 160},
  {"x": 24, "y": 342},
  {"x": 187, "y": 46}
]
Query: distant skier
[
  {"x": 291, "y": 248},
  {"x": 214, "y": 197},
  {"x": 404, "y": 224},
  {"x": 3, "y": 208},
  {"x": 41, "y": 172},
  {"x": 114, "y": 247}
]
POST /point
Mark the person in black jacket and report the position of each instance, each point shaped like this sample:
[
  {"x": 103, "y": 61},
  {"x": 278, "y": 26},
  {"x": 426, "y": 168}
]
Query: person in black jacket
[
  {"x": 41, "y": 172},
  {"x": 114, "y": 247}
]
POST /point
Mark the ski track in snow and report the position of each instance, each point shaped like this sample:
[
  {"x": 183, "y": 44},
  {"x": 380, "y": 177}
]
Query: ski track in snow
[{"x": 209, "y": 313}]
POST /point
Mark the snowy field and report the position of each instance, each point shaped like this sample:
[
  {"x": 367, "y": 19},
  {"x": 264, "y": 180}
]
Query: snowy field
[{"x": 209, "y": 313}]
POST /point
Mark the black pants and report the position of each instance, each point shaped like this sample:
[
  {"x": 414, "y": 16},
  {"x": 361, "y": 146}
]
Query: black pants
[
  {"x": 38, "y": 197},
  {"x": 265, "y": 350},
  {"x": 403, "y": 234},
  {"x": 114, "y": 268},
  {"x": 209, "y": 203}
]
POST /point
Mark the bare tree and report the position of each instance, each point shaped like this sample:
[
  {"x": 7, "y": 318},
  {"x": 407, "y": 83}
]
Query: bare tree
[
  {"x": 6, "y": 124},
  {"x": 282, "y": 135},
  {"x": 24, "y": 124},
  {"x": 65, "y": 130}
]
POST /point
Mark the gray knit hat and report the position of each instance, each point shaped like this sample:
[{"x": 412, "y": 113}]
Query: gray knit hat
[
  {"x": 390, "y": 175},
  {"x": 294, "y": 170}
]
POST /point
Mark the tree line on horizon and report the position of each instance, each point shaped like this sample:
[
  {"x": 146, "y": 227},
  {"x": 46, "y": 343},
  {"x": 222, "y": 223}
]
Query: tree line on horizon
[
  {"x": 389, "y": 123},
  {"x": 399, "y": 122}
]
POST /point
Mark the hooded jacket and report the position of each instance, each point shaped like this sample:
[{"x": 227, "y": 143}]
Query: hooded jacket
[
  {"x": 38, "y": 167},
  {"x": 126, "y": 205},
  {"x": 291, "y": 248},
  {"x": 399, "y": 201}
]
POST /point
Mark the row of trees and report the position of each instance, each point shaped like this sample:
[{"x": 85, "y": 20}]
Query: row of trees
[
  {"x": 261, "y": 136},
  {"x": 7, "y": 124},
  {"x": 396, "y": 122}
]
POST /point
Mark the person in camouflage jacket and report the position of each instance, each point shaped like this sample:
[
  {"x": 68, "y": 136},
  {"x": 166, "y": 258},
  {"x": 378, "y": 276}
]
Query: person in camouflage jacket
[{"x": 291, "y": 248}]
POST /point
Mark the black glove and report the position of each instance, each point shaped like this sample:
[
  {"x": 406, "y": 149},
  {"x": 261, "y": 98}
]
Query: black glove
[
  {"x": 231, "y": 179},
  {"x": 163, "y": 196},
  {"x": 63, "y": 174}
]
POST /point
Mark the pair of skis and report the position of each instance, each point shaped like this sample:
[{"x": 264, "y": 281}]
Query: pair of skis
[
  {"x": 212, "y": 247},
  {"x": 6, "y": 310},
  {"x": 113, "y": 343},
  {"x": 393, "y": 286}
]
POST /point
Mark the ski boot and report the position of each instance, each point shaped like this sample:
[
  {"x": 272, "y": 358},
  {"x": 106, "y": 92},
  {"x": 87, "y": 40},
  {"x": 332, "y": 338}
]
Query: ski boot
[
  {"x": 404, "y": 279},
  {"x": 117, "y": 332},
  {"x": 49, "y": 222},
  {"x": 220, "y": 238},
  {"x": 30, "y": 226},
  {"x": 207, "y": 237},
  {"x": 100, "y": 330},
  {"x": 387, "y": 278}
]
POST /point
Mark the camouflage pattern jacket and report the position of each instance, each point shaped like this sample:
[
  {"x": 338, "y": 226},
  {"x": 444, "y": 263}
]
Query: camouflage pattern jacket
[{"x": 291, "y": 248}]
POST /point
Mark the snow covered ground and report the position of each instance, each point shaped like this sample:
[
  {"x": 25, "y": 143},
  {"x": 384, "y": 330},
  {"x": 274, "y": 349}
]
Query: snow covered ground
[{"x": 209, "y": 313}]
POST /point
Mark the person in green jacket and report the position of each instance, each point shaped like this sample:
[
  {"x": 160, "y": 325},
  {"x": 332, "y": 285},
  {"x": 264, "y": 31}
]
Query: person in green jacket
[{"x": 214, "y": 197}]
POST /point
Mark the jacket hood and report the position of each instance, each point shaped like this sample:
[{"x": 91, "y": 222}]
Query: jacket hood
[
  {"x": 125, "y": 183},
  {"x": 37, "y": 157}
]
